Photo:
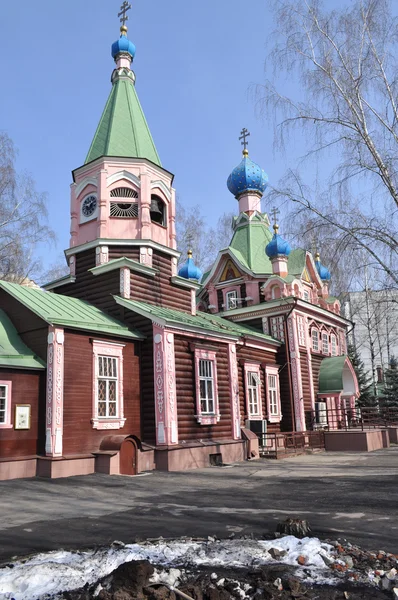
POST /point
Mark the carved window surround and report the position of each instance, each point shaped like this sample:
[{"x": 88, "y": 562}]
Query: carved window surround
[{"x": 113, "y": 350}]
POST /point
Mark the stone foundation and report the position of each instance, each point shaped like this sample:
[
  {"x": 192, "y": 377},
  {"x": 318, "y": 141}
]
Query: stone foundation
[
  {"x": 54, "y": 468},
  {"x": 199, "y": 456},
  {"x": 356, "y": 441},
  {"x": 18, "y": 468}
]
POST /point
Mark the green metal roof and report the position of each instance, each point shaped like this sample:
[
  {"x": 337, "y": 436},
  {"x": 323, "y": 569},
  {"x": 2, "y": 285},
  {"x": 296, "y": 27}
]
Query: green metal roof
[
  {"x": 248, "y": 246},
  {"x": 123, "y": 130},
  {"x": 202, "y": 321},
  {"x": 331, "y": 374},
  {"x": 65, "y": 311},
  {"x": 13, "y": 352}
]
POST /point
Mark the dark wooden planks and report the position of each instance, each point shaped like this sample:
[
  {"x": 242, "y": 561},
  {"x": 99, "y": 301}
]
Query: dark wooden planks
[
  {"x": 79, "y": 435},
  {"x": 26, "y": 389}
]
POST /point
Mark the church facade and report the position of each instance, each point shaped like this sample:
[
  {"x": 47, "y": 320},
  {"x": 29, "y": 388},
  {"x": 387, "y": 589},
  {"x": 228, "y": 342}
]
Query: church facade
[{"x": 130, "y": 363}]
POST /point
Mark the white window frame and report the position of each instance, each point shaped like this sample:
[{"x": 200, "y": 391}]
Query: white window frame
[
  {"x": 325, "y": 343},
  {"x": 333, "y": 344},
  {"x": 253, "y": 371},
  {"x": 315, "y": 347},
  {"x": 274, "y": 410},
  {"x": 231, "y": 300},
  {"x": 108, "y": 350},
  {"x": 6, "y": 422},
  {"x": 301, "y": 330},
  {"x": 278, "y": 328},
  {"x": 206, "y": 417}
]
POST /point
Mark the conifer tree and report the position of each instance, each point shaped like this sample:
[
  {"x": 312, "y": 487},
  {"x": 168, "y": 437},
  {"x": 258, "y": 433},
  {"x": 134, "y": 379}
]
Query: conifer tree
[
  {"x": 366, "y": 397},
  {"x": 390, "y": 391}
]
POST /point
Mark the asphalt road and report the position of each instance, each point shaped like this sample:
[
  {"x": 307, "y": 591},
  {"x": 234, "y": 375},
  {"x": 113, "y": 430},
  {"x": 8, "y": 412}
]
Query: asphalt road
[{"x": 354, "y": 496}]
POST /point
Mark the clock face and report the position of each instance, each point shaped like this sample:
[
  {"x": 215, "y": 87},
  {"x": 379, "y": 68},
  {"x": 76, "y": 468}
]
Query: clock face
[{"x": 89, "y": 205}]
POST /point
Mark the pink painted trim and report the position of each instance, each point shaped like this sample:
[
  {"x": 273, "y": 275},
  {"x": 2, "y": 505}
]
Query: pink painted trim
[
  {"x": 234, "y": 391},
  {"x": 193, "y": 302},
  {"x": 101, "y": 348},
  {"x": 295, "y": 366},
  {"x": 55, "y": 391},
  {"x": 205, "y": 419},
  {"x": 270, "y": 370},
  {"x": 7, "y": 423},
  {"x": 166, "y": 415},
  {"x": 254, "y": 368}
]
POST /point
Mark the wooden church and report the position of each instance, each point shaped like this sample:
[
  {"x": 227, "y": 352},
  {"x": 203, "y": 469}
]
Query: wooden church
[{"x": 128, "y": 363}]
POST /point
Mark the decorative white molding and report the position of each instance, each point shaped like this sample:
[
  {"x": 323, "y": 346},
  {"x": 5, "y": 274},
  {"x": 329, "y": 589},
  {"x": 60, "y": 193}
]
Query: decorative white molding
[
  {"x": 162, "y": 186},
  {"x": 101, "y": 256},
  {"x": 84, "y": 183},
  {"x": 125, "y": 282},
  {"x": 119, "y": 242},
  {"x": 55, "y": 392},
  {"x": 185, "y": 283},
  {"x": 120, "y": 175},
  {"x": 119, "y": 263}
]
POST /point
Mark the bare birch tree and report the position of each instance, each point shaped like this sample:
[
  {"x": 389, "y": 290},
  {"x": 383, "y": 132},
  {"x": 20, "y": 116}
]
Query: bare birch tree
[
  {"x": 194, "y": 231},
  {"x": 347, "y": 109},
  {"x": 23, "y": 216}
]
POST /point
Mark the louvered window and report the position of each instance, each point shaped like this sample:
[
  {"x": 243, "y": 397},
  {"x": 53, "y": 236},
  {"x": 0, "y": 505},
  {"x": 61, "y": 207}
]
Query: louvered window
[{"x": 124, "y": 209}]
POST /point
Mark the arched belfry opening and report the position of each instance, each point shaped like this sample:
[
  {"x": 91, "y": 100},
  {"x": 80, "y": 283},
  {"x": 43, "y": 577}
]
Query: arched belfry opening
[
  {"x": 158, "y": 210},
  {"x": 124, "y": 203}
]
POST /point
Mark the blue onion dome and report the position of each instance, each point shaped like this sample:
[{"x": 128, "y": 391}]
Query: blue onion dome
[
  {"x": 189, "y": 270},
  {"x": 323, "y": 272},
  {"x": 123, "y": 44},
  {"x": 247, "y": 177},
  {"x": 277, "y": 246}
]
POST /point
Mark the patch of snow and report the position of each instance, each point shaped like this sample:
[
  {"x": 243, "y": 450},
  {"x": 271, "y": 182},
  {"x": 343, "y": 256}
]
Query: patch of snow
[{"x": 55, "y": 572}]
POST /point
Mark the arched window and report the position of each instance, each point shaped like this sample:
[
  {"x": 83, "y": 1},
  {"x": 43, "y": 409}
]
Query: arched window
[
  {"x": 158, "y": 210},
  {"x": 126, "y": 207}
]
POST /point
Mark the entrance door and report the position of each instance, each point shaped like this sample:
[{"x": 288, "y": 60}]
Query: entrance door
[{"x": 128, "y": 457}]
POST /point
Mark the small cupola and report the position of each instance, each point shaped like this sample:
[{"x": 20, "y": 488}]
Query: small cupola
[
  {"x": 278, "y": 251},
  {"x": 323, "y": 272},
  {"x": 247, "y": 181},
  {"x": 277, "y": 246},
  {"x": 189, "y": 270}
]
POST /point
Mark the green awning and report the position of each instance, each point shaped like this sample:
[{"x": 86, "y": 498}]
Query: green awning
[{"x": 336, "y": 374}]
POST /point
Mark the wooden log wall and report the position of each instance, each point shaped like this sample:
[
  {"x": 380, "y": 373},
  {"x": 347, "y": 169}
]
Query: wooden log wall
[
  {"x": 306, "y": 383},
  {"x": 285, "y": 390},
  {"x": 148, "y": 425},
  {"x": 132, "y": 252},
  {"x": 159, "y": 290},
  {"x": 316, "y": 367},
  {"x": 255, "y": 355},
  {"x": 79, "y": 436},
  {"x": 28, "y": 387},
  {"x": 188, "y": 427}
]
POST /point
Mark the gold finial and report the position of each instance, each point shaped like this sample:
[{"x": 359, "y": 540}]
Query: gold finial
[
  {"x": 317, "y": 257},
  {"x": 189, "y": 253},
  {"x": 276, "y": 228},
  {"x": 245, "y": 152},
  {"x": 123, "y": 30}
]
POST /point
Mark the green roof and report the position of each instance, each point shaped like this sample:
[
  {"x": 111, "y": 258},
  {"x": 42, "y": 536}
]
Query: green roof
[
  {"x": 67, "y": 312},
  {"x": 13, "y": 352},
  {"x": 331, "y": 374},
  {"x": 296, "y": 261},
  {"x": 248, "y": 246},
  {"x": 123, "y": 130},
  {"x": 203, "y": 321}
]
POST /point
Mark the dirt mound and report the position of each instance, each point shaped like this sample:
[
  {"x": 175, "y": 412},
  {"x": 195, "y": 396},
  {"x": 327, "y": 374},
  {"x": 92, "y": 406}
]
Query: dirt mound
[{"x": 140, "y": 580}]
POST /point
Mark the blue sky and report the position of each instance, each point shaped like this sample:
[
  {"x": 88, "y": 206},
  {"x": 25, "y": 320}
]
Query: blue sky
[{"x": 195, "y": 65}]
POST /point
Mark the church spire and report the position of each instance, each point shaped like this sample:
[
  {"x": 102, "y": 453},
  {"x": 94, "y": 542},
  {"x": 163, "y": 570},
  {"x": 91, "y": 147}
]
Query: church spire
[{"x": 123, "y": 130}]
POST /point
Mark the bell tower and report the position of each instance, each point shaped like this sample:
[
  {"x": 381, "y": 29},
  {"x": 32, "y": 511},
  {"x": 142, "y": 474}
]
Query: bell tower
[{"x": 122, "y": 192}]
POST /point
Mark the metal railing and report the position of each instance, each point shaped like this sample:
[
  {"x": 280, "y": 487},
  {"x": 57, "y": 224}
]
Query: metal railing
[
  {"x": 277, "y": 445},
  {"x": 351, "y": 418}
]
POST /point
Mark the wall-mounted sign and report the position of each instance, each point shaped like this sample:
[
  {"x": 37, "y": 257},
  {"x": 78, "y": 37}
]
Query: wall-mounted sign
[{"x": 22, "y": 416}]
